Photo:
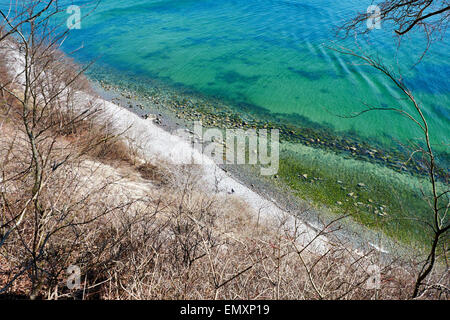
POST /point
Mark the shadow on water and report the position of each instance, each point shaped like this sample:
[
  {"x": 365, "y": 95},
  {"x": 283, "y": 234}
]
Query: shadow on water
[{"x": 231, "y": 77}]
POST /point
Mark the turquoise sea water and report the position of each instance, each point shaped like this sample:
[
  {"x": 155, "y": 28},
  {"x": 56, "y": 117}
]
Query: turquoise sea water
[{"x": 271, "y": 56}]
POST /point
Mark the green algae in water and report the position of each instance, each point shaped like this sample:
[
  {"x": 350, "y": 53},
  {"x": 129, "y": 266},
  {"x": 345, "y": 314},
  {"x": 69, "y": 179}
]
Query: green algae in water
[{"x": 375, "y": 196}]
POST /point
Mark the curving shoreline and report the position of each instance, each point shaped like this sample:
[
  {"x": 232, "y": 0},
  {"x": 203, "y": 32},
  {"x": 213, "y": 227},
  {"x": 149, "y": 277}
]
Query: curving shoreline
[
  {"x": 189, "y": 107},
  {"x": 245, "y": 183},
  {"x": 153, "y": 143},
  {"x": 356, "y": 195}
]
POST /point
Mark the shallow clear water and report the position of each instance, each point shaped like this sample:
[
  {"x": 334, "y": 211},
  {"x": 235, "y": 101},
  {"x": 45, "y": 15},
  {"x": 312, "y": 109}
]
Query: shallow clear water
[{"x": 270, "y": 54}]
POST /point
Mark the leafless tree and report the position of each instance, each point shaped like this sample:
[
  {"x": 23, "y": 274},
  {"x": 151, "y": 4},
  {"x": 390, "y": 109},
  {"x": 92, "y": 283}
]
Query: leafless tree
[
  {"x": 428, "y": 17},
  {"x": 431, "y": 16},
  {"x": 41, "y": 100},
  {"x": 438, "y": 199}
]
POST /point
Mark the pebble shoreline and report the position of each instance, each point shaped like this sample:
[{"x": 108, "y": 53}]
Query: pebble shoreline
[
  {"x": 187, "y": 110},
  {"x": 172, "y": 115}
]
